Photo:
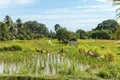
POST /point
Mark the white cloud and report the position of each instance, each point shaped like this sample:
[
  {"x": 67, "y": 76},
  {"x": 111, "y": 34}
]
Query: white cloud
[
  {"x": 73, "y": 17},
  {"x": 103, "y": 1},
  {"x": 8, "y": 3},
  {"x": 89, "y": 8},
  {"x": 55, "y": 16},
  {"x": 23, "y": 1},
  {"x": 101, "y": 8}
]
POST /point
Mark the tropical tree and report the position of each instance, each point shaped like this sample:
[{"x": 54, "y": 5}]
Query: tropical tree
[
  {"x": 33, "y": 27},
  {"x": 19, "y": 23},
  {"x": 57, "y": 27},
  {"x": 117, "y": 34},
  {"x": 82, "y": 34},
  {"x": 63, "y": 35},
  {"x": 8, "y": 21},
  {"x": 52, "y": 35},
  {"x": 110, "y": 24},
  {"x": 10, "y": 25},
  {"x": 97, "y": 34},
  {"x": 4, "y": 32},
  {"x": 108, "y": 27}
]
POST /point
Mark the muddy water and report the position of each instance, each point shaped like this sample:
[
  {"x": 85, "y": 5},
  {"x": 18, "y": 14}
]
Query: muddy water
[{"x": 45, "y": 64}]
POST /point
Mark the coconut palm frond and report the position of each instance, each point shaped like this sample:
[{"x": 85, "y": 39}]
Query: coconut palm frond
[
  {"x": 118, "y": 9},
  {"x": 116, "y": 3},
  {"x": 118, "y": 16},
  {"x": 115, "y": 0}
]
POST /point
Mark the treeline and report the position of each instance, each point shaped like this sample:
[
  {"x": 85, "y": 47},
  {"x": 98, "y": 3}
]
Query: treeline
[
  {"x": 9, "y": 30},
  {"x": 23, "y": 31},
  {"x": 108, "y": 29}
]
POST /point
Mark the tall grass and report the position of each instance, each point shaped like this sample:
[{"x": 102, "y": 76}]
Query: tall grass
[{"x": 90, "y": 58}]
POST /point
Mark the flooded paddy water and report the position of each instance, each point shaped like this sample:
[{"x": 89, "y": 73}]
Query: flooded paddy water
[{"x": 43, "y": 64}]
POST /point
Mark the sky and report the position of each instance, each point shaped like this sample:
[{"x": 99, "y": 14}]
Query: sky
[{"x": 72, "y": 14}]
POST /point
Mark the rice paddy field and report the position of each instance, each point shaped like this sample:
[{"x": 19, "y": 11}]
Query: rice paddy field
[{"x": 50, "y": 60}]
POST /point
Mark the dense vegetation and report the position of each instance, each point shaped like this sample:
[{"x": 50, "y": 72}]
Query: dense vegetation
[
  {"x": 30, "y": 30},
  {"x": 29, "y": 51},
  {"x": 18, "y": 30},
  {"x": 49, "y": 59}
]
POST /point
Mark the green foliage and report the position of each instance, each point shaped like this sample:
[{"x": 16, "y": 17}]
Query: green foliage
[
  {"x": 63, "y": 35},
  {"x": 52, "y": 35},
  {"x": 103, "y": 74},
  {"x": 33, "y": 27},
  {"x": 57, "y": 26},
  {"x": 99, "y": 35},
  {"x": 22, "y": 36},
  {"x": 117, "y": 2},
  {"x": 19, "y": 23},
  {"x": 34, "y": 30},
  {"x": 105, "y": 29},
  {"x": 72, "y": 62},
  {"x": 109, "y": 57},
  {"x": 110, "y": 72},
  {"x": 11, "y": 48},
  {"x": 8, "y": 20},
  {"x": 28, "y": 30},
  {"x": 4, "y": 32},
  {"x": 82, "y": 34},
  {"x": 27, "y": 77},
  {"x": 111, "y": 25},
  {"x": 117, "y": 34}
]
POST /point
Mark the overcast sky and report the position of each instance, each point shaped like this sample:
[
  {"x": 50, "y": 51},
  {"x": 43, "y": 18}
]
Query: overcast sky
[{"x": 72, "y": 14}]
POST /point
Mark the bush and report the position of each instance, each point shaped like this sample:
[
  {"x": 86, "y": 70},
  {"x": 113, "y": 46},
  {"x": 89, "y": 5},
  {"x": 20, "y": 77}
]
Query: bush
[
  {"x": 11, "y": 48},
  {"x": 99, "y": 35},
  {"x": 109, "y": 57},
  {"x": 16, "y": 48},
  {"x": 25, "y": 77},
  {"x": 82, "y": 50},
  {"x": 111, "y": 71},
  {"x": 103, "y": 47},
  {"x": 103, "y": 74}
]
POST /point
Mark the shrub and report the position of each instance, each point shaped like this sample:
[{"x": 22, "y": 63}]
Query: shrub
[
  {"x": 26, "y": 77},
  {"x": 118, "y": 48},
  {"x": 111, "y": 71},
  {"x": 94, "y": 52},
  {"x": 11, "y": 48},
  {"x": 103, "y": 74},
  {"x": 109, "y": 57},
  {"x": 82, "y": 50},
  {"x": 103, "y": 47},
  {"x": 16, "y": 48}
]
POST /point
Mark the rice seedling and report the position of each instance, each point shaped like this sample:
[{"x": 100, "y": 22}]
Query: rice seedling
[{"x": 88, "y": 59}]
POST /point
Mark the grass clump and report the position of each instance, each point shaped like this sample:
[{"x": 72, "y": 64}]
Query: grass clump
[
  {"x": 27, "y": 77},
  {"x": 11, "y": 48},
  {"x": 89, "y": 60},
  {"x": 110, "y": 72}
]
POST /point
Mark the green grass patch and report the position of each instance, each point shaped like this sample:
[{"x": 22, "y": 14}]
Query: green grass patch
[{"x": 11, "y": 48}]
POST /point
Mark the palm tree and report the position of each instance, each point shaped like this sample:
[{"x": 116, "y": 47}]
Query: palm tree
[
  {"x": 19, "y": 23},
  {"x": 117, "y": 3},
  {"x": 8, "y": 21}
]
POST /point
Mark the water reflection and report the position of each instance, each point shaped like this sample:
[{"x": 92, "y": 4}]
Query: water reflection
[
  {"x": 8, "y": 68},
  {"x": 45, "y": 64}
]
